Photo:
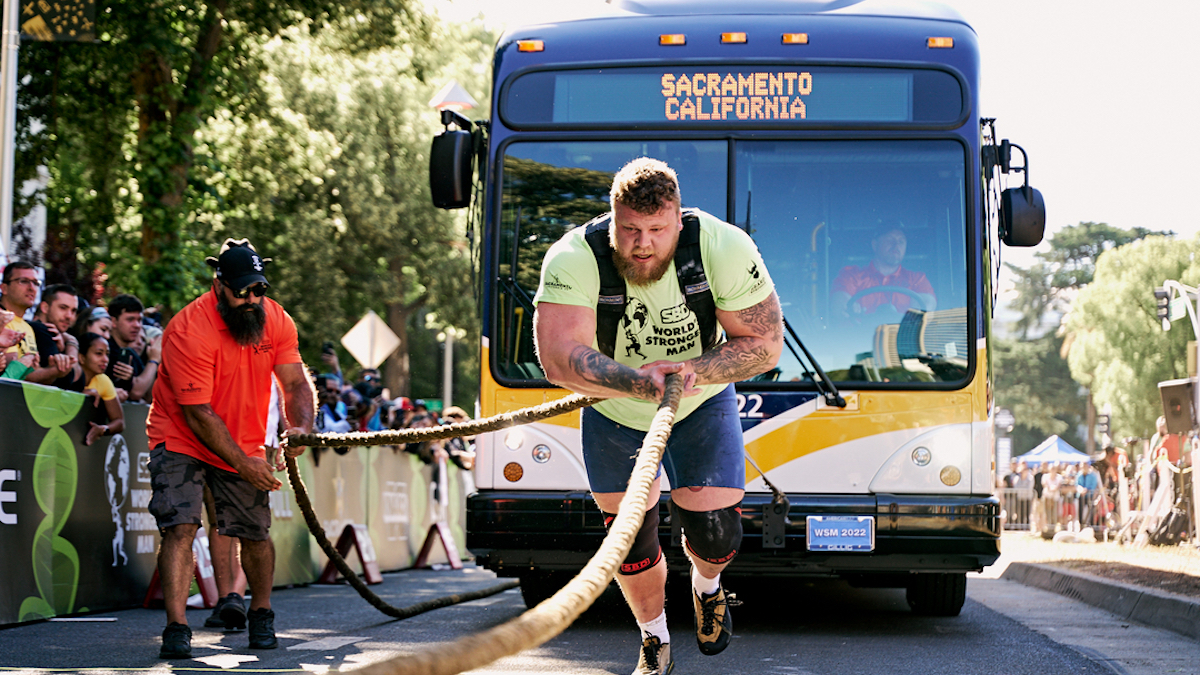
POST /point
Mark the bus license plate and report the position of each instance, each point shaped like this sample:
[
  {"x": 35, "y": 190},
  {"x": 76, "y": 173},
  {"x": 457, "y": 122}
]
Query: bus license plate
[{"x": 841, "y": 533}]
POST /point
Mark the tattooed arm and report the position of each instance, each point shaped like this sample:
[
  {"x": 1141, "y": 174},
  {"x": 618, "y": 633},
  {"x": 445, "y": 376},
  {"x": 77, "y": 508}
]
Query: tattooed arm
[
  {"x": 755, "y": 341},
  {"x": 564, "y": 334}
]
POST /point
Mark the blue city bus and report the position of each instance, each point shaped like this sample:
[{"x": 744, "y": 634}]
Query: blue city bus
[{"x": 814, "y": 126}]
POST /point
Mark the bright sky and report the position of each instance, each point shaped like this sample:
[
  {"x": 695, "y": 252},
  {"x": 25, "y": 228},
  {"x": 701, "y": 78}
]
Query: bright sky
[{"x": 1096, "y": 91}]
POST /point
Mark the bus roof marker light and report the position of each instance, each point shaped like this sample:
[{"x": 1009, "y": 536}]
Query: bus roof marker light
[
  {"x": 795, "y": 38},
  {"x": 733, "y": 38},
  {"x": 940, "y": 43},
  {"x": 531, "y": 46},
  {"x": 672, "y": 39}
]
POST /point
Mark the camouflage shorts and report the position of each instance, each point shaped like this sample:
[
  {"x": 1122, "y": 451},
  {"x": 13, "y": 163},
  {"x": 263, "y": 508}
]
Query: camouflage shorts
[{"x": 178, "y": 480}]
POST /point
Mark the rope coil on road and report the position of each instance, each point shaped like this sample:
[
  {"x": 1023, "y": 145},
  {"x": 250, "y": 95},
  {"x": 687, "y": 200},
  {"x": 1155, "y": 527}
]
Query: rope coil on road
[
  {"x": 318, "y": 532},
  {"x": 396, "y": 437},
  {"x": 535, "y": 626}
]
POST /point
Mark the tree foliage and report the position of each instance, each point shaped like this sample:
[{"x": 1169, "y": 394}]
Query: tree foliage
[
  {"x": 1067, "y": 266},
  {"x": 1034, "y": 382},
  {"x": 333, "y": 176},
  {"x": 302, "y": 124},
  {"x": 134, "y": 101},
  {"x": 1118, "y": 348}
]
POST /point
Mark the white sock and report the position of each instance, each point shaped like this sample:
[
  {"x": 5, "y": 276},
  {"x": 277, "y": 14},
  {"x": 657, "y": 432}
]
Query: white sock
[
  {"x": 702, "y": 584},
  {"x": 656, "y": 627}
]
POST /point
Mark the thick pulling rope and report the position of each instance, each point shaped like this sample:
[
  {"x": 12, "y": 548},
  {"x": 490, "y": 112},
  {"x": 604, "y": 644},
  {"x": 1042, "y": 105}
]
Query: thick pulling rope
[
  {"x": 395, "y": 437},
  {"x": 318, "y": 532},
  {"x": 494, "y": 423},
  {"x": 551, "y": 617}
]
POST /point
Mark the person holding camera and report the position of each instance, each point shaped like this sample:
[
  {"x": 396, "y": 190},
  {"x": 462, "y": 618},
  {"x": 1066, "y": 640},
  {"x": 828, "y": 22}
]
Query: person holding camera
[{"x": 126, "y": 368}]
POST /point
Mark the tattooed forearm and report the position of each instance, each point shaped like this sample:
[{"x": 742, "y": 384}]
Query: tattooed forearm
[
  {"x": 751, "y": 353},
  {"x": 764, "y": 320},
  {"x": 736, "y": 360},
  {"x": 600, "y": 370}
]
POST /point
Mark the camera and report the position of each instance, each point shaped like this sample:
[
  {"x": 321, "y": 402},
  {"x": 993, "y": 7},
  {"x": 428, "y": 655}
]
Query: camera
[{"x": 327, "y": 347}]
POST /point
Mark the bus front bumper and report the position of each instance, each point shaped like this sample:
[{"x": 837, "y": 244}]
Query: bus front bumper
[{"x": 512, "y": 532}]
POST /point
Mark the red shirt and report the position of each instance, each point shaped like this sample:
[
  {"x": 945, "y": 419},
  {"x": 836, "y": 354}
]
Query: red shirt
[
  {"x": 854, "y": 279},
  {"x": 201, "y": 363}
]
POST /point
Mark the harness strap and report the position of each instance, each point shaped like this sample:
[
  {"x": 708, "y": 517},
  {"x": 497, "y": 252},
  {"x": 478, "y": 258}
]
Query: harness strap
[{"x": 689, "y": 271}]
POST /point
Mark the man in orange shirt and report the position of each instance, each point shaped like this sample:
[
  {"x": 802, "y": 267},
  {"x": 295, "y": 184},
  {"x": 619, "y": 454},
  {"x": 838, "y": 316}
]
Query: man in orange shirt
[
  {"x": 207, "y": 426},
  {"x": 888, "y": 247}
]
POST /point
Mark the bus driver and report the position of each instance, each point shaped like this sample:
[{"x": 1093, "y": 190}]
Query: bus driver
[
  {"x": 643, "y": 236},
  {"x": 888, "y": 247}
]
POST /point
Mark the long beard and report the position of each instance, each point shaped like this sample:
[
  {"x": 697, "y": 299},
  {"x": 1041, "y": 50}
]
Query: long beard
[
  {"x": 638, "y": 275},
  {"x": 246, "y": 323}
]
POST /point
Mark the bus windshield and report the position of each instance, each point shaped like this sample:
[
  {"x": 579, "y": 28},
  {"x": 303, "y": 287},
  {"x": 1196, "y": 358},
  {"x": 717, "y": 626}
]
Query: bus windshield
[{"x": 864, "y": 239}]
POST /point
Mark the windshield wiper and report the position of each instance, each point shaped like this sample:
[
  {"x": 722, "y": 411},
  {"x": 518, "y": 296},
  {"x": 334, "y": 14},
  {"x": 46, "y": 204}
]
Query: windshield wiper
[{"x": 822, "y": 381}]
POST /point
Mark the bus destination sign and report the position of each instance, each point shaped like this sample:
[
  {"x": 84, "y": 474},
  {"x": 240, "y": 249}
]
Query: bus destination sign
[
  {"x": 742, "y": 96},
  {"x": 730, "y": 95}
]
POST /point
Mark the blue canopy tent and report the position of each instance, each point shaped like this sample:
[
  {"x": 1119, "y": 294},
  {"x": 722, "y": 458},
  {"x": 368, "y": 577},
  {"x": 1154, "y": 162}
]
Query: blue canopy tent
[{"x": 1054, "y": 450}]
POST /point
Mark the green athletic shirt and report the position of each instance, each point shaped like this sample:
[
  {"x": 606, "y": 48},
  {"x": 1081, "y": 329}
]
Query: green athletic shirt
[{"x": 658, "y": 326}]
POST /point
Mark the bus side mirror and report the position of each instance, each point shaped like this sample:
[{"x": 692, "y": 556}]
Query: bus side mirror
[
  {"x": 1024, "y": 220},
  {"x": 450, "y": 169},
  {"x": 1023, "y": 213}
]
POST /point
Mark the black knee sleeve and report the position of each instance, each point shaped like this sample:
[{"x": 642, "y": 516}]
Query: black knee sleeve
[
  {"x": 646, "y": 551},
  {"x": 713, "y": 536}
]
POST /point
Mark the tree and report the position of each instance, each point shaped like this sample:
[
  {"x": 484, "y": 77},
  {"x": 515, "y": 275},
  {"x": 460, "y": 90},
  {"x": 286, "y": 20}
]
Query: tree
[
  {"x": 158, "y": 71},
  {"x": 1034, "y": 381},
  {"x": 1067, "y": 266},
  {"x": 333, "y": 176},
  {"x": 1118, "y": 347}
]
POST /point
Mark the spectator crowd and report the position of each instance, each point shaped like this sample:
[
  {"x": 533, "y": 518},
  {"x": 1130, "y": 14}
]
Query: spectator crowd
[{"x": 53, "y": 336}]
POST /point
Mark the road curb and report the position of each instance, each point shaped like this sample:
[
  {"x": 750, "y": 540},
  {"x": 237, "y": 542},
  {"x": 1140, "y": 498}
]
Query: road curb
[{"x": 1144, "y": 605}]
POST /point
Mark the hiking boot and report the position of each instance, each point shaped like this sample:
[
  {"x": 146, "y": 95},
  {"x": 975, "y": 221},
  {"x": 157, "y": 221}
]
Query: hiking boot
[
  {"x": 232, "y": 611},
  {"x": 714, "y": 625},
  {"x": 262, "y": 629},
  {"x": 655, "y": 658},
  {"x": 176, "y": 642}
]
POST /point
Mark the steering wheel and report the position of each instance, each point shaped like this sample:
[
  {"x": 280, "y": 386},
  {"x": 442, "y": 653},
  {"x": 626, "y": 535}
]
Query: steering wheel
[{"x": 916, "y": 298}]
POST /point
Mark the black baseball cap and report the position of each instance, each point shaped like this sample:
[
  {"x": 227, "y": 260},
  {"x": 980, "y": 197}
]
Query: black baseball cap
[{"x": 238, "y": 265}]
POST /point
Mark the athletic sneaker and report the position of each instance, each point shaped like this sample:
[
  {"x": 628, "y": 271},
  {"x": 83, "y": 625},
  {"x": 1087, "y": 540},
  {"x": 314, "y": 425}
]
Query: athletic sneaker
[
  {"x": 262, "y": 629},
  {"x": 176, "y": 642},
  {"x": 230, "y": 613},
  {"x": 233, "y": 613},
  {"x": 655, "y": 658},
  {"x": 714, "y": 625}
]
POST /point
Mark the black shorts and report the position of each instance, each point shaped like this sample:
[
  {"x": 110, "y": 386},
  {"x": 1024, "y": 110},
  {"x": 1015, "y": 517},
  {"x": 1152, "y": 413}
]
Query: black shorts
[{"x": 178, "y": 480}]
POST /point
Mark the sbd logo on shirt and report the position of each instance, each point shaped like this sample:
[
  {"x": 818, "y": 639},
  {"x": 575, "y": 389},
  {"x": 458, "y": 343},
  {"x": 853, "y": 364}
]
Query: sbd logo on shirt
[
  {"x": 190, "y": 389},
  {"x": 262, "y": 348}
]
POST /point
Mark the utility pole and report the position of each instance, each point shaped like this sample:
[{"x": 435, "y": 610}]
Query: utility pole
[{"x": 11, "y": 40}]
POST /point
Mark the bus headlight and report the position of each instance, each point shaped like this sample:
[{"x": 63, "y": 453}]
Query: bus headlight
[
  {"x": 921, "y": 456},
  {"x": 930, "y": 463}
]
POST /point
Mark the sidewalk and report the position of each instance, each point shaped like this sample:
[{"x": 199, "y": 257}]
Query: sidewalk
[{"x": 1143, "y": 604}]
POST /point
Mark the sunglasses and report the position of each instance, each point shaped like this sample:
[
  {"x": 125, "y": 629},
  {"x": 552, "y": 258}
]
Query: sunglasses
[{"x": 258, "y": 290}]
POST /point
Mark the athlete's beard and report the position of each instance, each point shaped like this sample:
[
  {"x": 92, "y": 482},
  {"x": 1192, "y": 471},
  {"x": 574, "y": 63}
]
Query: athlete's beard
[
  {"x": 638, "y": 275},
  {"x": 246, "y": 322}
]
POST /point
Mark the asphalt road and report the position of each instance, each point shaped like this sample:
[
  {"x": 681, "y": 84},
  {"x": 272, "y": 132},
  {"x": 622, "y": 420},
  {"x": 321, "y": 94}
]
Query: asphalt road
[{"x": 783, "y": 628}]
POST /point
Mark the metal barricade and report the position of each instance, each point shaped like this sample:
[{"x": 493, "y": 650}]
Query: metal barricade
[{"x": 1053, "y": 512}]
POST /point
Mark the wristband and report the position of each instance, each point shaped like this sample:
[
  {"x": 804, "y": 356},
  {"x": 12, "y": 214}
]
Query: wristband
[{"x": 152, "y": 361}]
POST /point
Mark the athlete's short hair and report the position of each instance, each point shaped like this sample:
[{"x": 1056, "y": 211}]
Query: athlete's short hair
[{"x": 645, "y": 185}]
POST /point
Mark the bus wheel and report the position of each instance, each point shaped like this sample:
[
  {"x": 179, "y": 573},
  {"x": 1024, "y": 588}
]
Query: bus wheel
[
  {"x": 937, "y": 594},
  {"x": 538, "y": 585}
]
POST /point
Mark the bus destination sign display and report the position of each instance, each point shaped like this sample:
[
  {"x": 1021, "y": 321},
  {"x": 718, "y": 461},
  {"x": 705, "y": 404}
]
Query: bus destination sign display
[
  {"x": 747, "y": 95},
  {"x": 743, "y": 96}
]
